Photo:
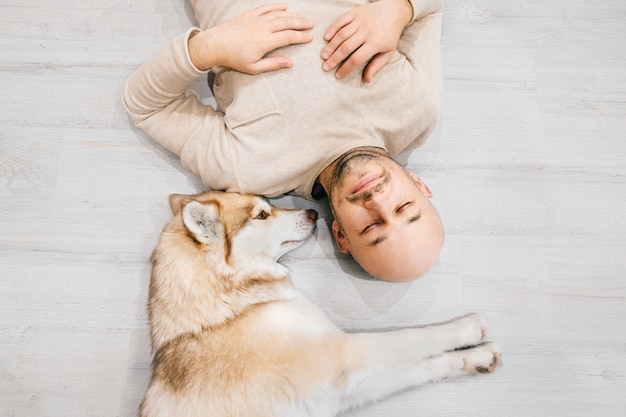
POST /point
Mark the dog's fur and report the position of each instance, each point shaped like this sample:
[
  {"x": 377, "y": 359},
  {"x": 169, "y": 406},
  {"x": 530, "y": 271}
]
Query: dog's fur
[{"x": 231, "y": 337}]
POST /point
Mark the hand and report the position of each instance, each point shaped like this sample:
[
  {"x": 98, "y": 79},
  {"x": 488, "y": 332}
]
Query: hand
[
  {"x": 243, "y": 42},
  {"x": 366, "y": 33}
]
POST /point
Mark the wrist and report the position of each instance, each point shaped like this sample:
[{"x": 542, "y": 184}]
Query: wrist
[
  {"x": 402, "y": 11},
  {"x": 200, "y": 49},
  {"x": 406, "y": 11}
]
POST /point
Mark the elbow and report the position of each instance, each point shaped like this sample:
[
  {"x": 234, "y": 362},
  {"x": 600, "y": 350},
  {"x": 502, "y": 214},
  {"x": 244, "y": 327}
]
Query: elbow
[
  {"x": 128, "y": 102},
  {"x": 132, "y": 102}
]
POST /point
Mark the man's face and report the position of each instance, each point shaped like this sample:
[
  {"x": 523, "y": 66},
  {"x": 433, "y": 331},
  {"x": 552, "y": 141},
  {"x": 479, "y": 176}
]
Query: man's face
[{"x": 383, "y": 216}]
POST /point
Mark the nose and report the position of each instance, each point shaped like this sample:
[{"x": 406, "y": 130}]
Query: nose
[
  {"x": 311, "y": 214},
  {"x": 374, "y": 200}
]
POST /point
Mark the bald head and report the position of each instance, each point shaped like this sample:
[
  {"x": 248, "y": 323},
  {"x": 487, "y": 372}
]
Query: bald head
[
  {"x": 407, "y": 253},
  {"x": 384, "y": 218}
]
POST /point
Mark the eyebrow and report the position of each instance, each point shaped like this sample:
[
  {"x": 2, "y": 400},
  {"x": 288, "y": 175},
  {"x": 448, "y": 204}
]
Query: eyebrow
[{"x": 384, "y": 237}]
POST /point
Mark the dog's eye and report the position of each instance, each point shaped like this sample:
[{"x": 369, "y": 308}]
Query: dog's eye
[{"x": 262, "y": 215}]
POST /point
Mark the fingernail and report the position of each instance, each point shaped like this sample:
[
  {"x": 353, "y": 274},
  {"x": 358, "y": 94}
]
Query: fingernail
[
  {"x": 324, "y": 55},
  {"x": 325, "y": 67}
]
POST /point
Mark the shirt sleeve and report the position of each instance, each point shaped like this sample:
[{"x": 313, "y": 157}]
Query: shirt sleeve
[
  {"x": 157, "y": 96},
  {"x": 158, "y": 99},
  {"x": 423, "y": 8}
]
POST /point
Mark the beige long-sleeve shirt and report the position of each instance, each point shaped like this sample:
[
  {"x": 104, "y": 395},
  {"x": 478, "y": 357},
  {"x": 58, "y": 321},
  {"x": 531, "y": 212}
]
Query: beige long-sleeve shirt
[{"x": 274, "y": 133}]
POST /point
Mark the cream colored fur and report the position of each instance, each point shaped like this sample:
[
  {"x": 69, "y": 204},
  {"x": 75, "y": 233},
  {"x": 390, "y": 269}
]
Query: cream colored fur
[{"x": 231, "y": 337}]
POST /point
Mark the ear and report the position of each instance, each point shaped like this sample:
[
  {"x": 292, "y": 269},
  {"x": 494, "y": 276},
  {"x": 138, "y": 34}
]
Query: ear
[
  {"x": 203, "y": 221},
  {"x": 340, "y": 238},
  {"x": 420, "y": 184},
  {"x": 177, "y": 201}
]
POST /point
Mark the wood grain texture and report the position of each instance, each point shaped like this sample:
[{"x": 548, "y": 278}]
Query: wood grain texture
[{"x": 528, "y": 168}]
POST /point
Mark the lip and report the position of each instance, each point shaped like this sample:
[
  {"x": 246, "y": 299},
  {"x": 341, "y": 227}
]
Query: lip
[{"x": 365, "y": 182}]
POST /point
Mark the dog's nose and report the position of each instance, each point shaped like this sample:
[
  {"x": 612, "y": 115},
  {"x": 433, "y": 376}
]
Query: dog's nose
[{"x": 311, "y": 214}]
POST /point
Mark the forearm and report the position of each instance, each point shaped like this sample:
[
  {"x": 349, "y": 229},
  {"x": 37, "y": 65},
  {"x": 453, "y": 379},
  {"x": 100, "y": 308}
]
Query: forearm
[{"x": 160, "y": 80}]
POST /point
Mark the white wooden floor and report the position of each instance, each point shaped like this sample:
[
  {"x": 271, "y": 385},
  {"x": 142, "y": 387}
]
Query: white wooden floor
[{"x": 528, "y": 166}]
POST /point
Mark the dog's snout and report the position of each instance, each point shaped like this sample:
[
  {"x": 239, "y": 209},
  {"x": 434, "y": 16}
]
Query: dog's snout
[{"x": 311, "y": 214}]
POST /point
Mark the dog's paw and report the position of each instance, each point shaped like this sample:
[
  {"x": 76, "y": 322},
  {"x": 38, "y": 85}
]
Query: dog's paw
[
  {"x": 482, "y": 359},
  {"x": 471, "y": 330}
]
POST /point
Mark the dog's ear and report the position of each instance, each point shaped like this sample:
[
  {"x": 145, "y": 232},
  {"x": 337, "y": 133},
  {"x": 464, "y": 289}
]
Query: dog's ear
[
  {"x": 177, "y": 201},
  {"x": 203, "y": 221}
]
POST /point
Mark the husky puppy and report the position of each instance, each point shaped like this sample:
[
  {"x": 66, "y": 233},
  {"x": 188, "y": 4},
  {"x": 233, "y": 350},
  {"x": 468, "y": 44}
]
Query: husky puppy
[{"x": 231, "y": 337}]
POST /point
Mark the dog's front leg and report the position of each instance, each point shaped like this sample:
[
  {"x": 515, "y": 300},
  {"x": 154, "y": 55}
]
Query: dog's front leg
[{"x": 380, "y": 364}]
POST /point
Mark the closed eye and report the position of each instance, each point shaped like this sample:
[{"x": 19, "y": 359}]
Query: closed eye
[
  {"x": 370, "y": 227},
  {"x": 399, "y": 209},
  {"x": 403, "y": 206}
]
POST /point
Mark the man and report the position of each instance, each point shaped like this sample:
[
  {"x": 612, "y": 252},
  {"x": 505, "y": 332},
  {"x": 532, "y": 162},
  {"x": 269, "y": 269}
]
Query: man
[{"x": 310, "y": 113}]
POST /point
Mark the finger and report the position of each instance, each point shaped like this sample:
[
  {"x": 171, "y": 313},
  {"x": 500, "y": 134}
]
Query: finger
[
  {"x": 278, "y": 14},
  {"x": 348, "y": 51},
  {"x": 268, "y": 8},
  {"x": 287, "y": 37},
  {"x": 270, "y": 64},
  {"x": 337, "y": 25},
  {"x": 358, "y": 57},
  {"x": 343, "y": 52},
  {"x": 291, "y": 22},
  {"x": 375, "y": 65},
  {"x": 345, "y": 33}
]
